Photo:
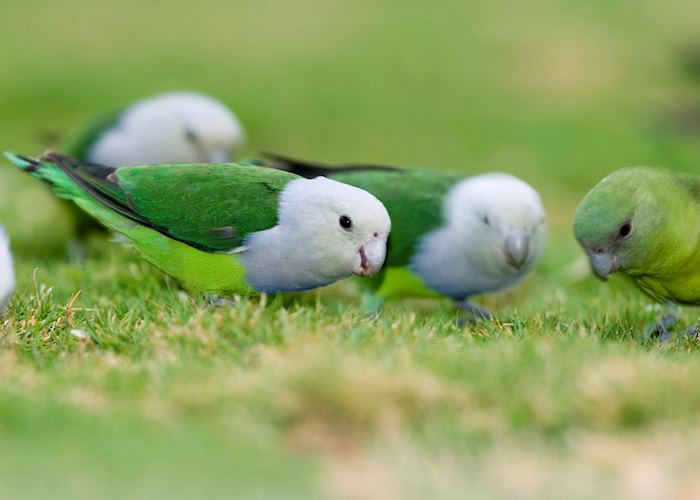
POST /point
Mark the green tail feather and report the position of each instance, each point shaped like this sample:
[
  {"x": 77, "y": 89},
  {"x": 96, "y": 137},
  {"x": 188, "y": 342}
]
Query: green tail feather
[{"x": 61, "y": 183}]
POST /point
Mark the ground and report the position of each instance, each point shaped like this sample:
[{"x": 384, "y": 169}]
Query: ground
[{"x": 114, "y": 383}]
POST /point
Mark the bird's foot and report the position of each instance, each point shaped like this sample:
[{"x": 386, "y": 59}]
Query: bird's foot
[
  {"x": 661, "y": 329},
  {"x": 474, "y": 313},
  {"x": 218, "y": 302},
  {"x": 371, "y": 305}
]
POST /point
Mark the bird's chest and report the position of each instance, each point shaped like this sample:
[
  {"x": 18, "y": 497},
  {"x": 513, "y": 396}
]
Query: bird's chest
[
  {"x": 683, "y": 289},
  {"x": 448, "y": 266}
]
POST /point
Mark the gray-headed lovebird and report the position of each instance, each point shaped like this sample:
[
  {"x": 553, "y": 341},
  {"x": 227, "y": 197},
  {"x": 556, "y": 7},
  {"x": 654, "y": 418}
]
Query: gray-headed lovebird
[{"x": 227, "y": 229}]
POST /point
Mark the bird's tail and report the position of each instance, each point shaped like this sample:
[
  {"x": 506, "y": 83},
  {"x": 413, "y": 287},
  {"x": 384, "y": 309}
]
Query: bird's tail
[
  {"x": 310, "y": 169},
  {"x": 52, "y": 168}
]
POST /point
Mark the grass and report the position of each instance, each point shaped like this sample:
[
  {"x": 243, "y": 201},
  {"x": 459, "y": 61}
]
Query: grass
[{"x": 301, "y": 396}]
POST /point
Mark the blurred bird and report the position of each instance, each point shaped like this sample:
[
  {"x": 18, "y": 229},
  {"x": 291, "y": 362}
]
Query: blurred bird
[
  {"x": 645, "y": 223},
  {"x": 452, "y": 235},
  {"x": 7, "y": 273},
  {"x": 177, "y": 127},
  {"x": 228, "y": 229}
]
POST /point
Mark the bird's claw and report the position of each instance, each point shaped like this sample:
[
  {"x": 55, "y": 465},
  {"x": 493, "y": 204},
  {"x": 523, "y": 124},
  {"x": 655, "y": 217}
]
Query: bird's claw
[
  {"x": 474, "y": 312},
  {"x": 218, "y": 302},
  {"x": 661, "y": 329}
]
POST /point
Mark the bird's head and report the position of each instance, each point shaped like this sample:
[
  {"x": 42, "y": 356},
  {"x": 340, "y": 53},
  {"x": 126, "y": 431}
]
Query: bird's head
[
  {"x": 503, "y": 221},
  {"x": 171, "y": 128},
  {"x": 621, "y": 220},
  {"x": 341, "y": 229}
]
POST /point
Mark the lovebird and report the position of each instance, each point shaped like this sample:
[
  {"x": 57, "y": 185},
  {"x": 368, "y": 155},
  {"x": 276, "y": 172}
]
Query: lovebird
[
  {"x": 645, "y": 223},
  {"x": 176, "y": 127},
  {"x": 170, "y": 128},
  {"x": 453, "y": 235},
  {"x": 7, "y": 273},
  {"x": 226, "y": 229}
]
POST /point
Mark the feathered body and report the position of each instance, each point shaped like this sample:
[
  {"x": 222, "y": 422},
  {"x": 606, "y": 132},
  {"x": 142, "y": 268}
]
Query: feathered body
[
  {"x": 449, "y": 231},
  {"x": 228, "y": 229},
  {"x": 176, "y": 127},
  {"x": 7, "y": 273},
  {"x": 170, "y": 128},
  {"x": 645, "y": 223}
]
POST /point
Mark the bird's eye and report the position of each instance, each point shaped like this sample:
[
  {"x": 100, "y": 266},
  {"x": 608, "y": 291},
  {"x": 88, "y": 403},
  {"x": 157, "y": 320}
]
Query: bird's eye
[
  {"x": 345, "y": 222},
  {"x": 486, "y": 220},
  {"x": 191, "y": 136},
  {"x": 625, "y": 229}
]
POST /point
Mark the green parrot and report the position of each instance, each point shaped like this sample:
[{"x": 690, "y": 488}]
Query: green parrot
[
  {"x": 227, "y": 229},
  {"x": 645, "y": 223},
  {"x": 169, "y": 128},
  {"x": 453, "y": 235}
]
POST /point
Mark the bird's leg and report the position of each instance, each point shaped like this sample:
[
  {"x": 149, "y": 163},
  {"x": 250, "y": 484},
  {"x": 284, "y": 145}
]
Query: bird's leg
[
  {"x": 371, "y": 304},
  {"x": 217, "y": 301},
  {"x": 659, "y": 327},
  {"x": 474, "y": 311}
]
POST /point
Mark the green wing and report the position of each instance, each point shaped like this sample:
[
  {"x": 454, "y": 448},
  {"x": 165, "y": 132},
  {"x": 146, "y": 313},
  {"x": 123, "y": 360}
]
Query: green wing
[
  {"x": 80, "y": 148},
  {"x": 211, "y": 207},
  {"x": 413, "y": 198}
]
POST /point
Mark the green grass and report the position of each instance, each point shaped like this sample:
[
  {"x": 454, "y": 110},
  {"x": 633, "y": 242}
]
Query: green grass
[{"x": 301, "y": 396}]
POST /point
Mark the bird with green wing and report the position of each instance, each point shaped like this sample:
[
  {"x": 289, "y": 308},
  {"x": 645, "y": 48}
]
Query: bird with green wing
[
  {"x": 227, "y": 229},
  {"x": 645, "y": 224}
]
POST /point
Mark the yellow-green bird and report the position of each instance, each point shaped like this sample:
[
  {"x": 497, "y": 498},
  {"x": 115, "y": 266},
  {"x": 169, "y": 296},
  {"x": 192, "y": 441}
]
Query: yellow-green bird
[{"x": 645, "y": 223}]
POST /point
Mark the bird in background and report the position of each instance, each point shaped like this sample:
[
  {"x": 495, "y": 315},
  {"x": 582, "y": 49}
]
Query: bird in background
[
  {"x": 7, "y": 273},
  {"x": 227, "y": 229},
  {"x": 170, "y": 128},
  {"x": 176, "y": 127},
  {"x": 453, "y": 235},
  {"x": 645, "y": 224}
]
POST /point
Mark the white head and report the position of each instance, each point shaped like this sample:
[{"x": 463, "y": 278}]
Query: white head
[
  {"x": 326, "y": 231},
  {"x": 504, "y": 219},
  {"x": 7, "y": 274},
  {"x": 179, "y": 127}
]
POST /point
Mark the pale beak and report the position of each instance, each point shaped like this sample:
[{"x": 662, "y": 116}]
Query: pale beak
[
  {"x": 220, "y": 156},
  {"x": 603, "y": 264},
  {"x": 370, "y": 257},
  {"x": 517, "y": 247}
]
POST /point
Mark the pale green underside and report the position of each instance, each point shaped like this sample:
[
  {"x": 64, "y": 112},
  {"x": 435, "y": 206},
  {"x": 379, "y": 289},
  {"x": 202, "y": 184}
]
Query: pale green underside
[{"x": 197, "y": 271}]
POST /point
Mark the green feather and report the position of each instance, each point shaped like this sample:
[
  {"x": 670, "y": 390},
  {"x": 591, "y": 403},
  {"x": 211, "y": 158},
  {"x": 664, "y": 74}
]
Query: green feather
[{"x": 182, "y": 218}]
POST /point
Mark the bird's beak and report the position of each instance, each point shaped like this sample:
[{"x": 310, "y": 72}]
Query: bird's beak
[
  {"x": 370, "y": 257},
  {"x": 603, "y": 264},
  {"x": 517, "y": 247},
  {"x": 220, "y": 156}
]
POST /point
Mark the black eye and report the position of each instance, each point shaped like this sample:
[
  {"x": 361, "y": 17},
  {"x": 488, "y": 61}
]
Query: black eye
[
  {"x": 191, "y": 136},
  {"x": 345, "y": 222},
  {"x": 625, "y": 229},
  {"x": 486, "y": 220}
]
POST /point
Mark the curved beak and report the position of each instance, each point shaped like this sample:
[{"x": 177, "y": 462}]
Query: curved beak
[
  {"x": 603, "y": 264},
  {"x": 219, "y": 156},
  {"x": 370, "y": 257},
  {"x": 517, "y": 247}
]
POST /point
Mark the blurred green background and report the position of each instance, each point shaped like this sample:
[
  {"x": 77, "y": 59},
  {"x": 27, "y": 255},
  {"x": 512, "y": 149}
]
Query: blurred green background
[
  {"x": 166, "y": 399},
  {"x": 560, "y": 93}
]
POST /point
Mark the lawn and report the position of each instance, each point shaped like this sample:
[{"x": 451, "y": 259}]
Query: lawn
[{"x": 116, "y": 384}]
